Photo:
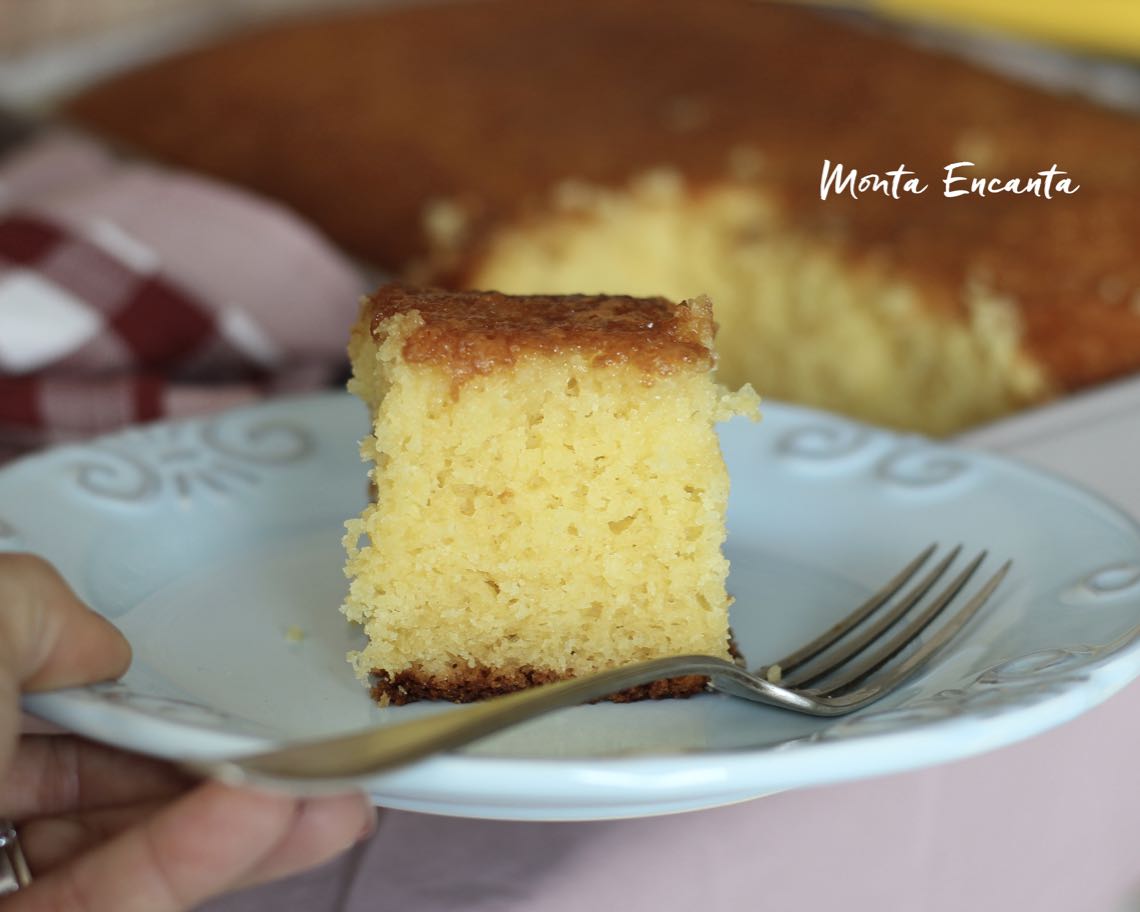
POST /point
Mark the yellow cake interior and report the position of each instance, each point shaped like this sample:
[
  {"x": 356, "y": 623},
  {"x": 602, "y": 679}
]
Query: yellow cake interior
[
  {"x": 798, "y": 318},
  {"x": 544, "y": 520}
]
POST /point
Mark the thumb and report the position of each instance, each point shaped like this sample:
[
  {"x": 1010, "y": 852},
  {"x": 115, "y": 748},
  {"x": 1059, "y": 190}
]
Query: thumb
[{"x": 48, "y": 637}]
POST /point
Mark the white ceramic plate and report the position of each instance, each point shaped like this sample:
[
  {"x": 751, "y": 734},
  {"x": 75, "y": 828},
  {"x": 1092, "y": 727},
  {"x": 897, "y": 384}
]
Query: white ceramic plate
[{"x": 215, "y": 545}]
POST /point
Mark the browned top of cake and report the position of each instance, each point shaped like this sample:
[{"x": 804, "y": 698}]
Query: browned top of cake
[
  {"x": 477, "y": 332},
  {"x": 360, "y": 118}
]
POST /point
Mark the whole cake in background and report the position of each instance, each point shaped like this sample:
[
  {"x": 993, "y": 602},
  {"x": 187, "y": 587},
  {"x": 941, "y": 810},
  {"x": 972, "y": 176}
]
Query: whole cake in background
[
  {"x": 550, "y": 492},
  {"x": 675, "y": 148}
]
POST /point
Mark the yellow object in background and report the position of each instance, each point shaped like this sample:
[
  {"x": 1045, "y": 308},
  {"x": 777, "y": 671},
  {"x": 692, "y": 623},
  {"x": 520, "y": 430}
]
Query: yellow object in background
[{"x": 1111, "y": 26}]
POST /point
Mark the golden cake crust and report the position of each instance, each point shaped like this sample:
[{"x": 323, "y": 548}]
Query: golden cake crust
[
  {"x": 477, "y": 332},
  {"x": 601, "y": 91}
]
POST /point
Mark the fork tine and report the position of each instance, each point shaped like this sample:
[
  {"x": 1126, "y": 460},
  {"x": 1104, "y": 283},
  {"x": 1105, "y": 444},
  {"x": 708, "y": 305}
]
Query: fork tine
[
  {"x": 838, "y": 631},
  {"x": 873, "y": 631},
  {"x": 946, "y": 633},
  {"x": 870, "y": 663}
]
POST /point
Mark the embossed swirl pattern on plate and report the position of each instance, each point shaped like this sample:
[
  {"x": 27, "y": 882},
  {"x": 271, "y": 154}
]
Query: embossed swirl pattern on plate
[
  {"x": 217, "y": 456},
  {"x": 1016, "y": 682},
  {"x": 1045, "y": 664},
  {"x": 976, "y": 701},
  {"x": 919, "y": 466},
  {"x": 175, "y": 710},
  {"x": 912, "y": 463},
  {"x": 824, "y": 442},
  {"x": 9, "y": 534},
  {"x": 1103, "y": 586}
]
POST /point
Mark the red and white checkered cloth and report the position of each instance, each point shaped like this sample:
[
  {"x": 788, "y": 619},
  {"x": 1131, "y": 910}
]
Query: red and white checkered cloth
[{"x": 130, "y": 293}]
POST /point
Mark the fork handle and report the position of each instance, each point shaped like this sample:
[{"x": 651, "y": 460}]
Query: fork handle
[{"x": 327, "y": 764}]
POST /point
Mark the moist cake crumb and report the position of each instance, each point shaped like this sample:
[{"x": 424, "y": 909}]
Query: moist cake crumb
[{"x": 549, "y": 490}]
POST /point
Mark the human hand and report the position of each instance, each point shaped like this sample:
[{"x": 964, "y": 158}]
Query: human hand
[{"x": 106, "y": 830}]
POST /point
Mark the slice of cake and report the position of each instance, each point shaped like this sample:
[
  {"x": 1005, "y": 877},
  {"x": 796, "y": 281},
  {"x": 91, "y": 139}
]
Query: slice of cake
[{"x": 550, "y": 492}]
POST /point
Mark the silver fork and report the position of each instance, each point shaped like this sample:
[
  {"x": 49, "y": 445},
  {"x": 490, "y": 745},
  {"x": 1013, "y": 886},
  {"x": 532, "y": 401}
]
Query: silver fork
[{"x": 830, "y": 676}]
